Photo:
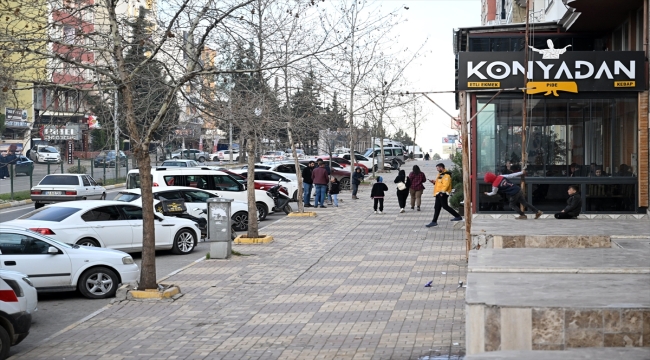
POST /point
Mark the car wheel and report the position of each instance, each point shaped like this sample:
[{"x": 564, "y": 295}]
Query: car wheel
[
  {"x": 396, "y": 165},
  {"x": 184, "y": 242},
  {"x": 345, "y": 184},
  {"x": 216, "y": 158},
  {"x": 38, "y": 205},
  {"x": 88, "y": 242},
  {"x": 103, "y": 197},
  {"x": 98, "y": 283},
  {"x": 287, "y": 209},
  {"x": 5, "y": 343},
  {"x": 202, "y": 159},
  {"x": 263, "y": 210},
  {"x": 240, "y": 221}
]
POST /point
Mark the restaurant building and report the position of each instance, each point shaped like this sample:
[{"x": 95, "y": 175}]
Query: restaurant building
[{"x": 587, "y": 114}]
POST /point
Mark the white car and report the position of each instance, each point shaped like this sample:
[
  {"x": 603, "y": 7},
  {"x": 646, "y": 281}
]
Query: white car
[
  {"x": 45, "y": 154},
  {"x": 55, "y": 188},
  {"x": 55, "y": 266},
  {"x": 286, "y": 168},
  {"x": 273, "y": 156},
  {"x": 110, "y": 224},
  {"x": 365, "y": 161},
  {"x": 195, "y": 202},
  {"x": 191, "y": 154},
  {"x": 204, "y": 179},
  {"x": 272, "y": 178},
  {"x": 18, "y": 300},
  {"x": 224, "y": 155},
  {"x": 179, "y": 163}
]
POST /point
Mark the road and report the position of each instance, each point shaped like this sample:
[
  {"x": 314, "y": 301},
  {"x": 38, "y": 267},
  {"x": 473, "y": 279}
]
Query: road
[{"x": 56, "y": 311}]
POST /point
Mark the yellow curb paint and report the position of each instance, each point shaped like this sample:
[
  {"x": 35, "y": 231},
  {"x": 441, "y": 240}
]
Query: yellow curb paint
[
  {"x": 302, "y": 214},
  {"x": 15, "y": 203},
  {"x": 243, "y": 239},
  {"x": 155, "y": 294}
]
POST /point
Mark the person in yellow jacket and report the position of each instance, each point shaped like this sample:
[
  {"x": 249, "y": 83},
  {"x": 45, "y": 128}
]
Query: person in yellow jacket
[{"x": 441, "y": 191}]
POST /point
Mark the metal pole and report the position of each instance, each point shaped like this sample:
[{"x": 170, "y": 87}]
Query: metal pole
[
  {"x": 116, "y": 133},
  {"x": 104, "y": 172},
  {"x": 230, "y": 145},
  {"x": 61, "y": 166},
  {"x": 11, "y": 179},
  {"x": 524, "y": 108},
  {"x": 48, "y": 168},
  {"x": 31, "y": 183},
  {"x": 78, "y": 164}
]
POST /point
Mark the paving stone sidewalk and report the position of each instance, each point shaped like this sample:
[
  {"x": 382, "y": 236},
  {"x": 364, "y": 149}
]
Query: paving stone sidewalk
[{"x": 347, "y": 284}]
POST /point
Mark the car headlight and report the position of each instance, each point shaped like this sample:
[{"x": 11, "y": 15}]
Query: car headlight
[
  {"x": 127, "y": 260},
  {"x": 29, "y": 282}
]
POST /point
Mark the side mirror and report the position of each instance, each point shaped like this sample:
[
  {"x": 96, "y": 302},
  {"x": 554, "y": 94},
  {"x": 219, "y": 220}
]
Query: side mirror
[{"x": 52, "y": 250}]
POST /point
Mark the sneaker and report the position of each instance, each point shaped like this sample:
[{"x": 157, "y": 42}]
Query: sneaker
[
  {"x": 432, "y": 224},
  {"x": 457, "y": 219},
  {"x": 418, "y": 208},
  {"x": 323, "y": 207},
  {"x": 401, "y": 210},
  {"x": 539, "y": 213},
  {"x": 381, "y": 213},
  {"x": 375, "y": 211},
  {"x": 412, "y": 207},
  {"x": 309, "y": 205},
  {"x": 521, "y": 217}
]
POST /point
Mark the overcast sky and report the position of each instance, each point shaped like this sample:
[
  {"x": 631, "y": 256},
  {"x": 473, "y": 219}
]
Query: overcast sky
[{"x": 436, "y": 19}]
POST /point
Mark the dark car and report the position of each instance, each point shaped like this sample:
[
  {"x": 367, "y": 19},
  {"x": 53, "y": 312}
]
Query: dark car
[
  {"x": 107, "y": 159},
  {"x": 24, "y": 165}
]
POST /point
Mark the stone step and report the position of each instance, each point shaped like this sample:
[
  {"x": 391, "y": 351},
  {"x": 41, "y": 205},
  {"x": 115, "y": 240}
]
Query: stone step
[
  {"x": 569, "y": 261},
  {"x": 572, "y": 354}
]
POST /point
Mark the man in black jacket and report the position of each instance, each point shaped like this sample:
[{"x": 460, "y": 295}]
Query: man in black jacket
[
  {"x": 573, "y": 205},
  {"x": 307, "y": 183}
]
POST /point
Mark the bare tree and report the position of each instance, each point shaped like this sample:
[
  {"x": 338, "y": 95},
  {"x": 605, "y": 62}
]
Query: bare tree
[{"x": 415, "y": 117}]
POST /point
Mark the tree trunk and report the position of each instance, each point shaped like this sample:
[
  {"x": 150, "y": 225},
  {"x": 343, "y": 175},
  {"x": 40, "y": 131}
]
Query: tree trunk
[
  {"x": 253, "y": 231},
  {"x": 294, "y": 153},
  {"x": 148, "y": 266}
]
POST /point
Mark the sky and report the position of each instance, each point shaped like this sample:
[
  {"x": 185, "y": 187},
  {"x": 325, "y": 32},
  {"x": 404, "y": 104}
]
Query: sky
[{"x": 435, "y": 19}]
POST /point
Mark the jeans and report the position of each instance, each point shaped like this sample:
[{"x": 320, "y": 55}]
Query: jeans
[
  {"x": 335, "y": 199},
  {"x": 355, "y": 188},
  {"x": 306, "y": 192},
  {"x": 320, "y": 195},
  {"x": 517, "y": 199},
  {"x": 441, "y": 203},
  {"x": 416, "y": 197}
]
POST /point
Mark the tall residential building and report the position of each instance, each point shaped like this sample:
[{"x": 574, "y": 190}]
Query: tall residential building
[{"x": 500, "y": 12}]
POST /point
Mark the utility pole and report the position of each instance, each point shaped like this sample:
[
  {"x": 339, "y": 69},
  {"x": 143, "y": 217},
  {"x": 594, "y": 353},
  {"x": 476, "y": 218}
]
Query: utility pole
[
  {"x": 116, "y": 137},
  {"x": 467, "y": 188},
  {"x": 524, "y": 110}
]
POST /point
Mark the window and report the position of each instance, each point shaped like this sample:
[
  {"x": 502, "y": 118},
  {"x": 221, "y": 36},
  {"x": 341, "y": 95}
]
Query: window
[
  {"x": 639, "y": 30},
  {"x": 132, "y": 212},
  {"x": 60, "y": 180},
  {"x": 50, "y": 213},
  {"x": 197, "y": 196},
  {"x": 92, "y": 181},
  {"x": 226, "y": 183},
  {"x": 197, "y": 181},
  {"x": 85, "y": 181},
  {"x": 68, "y": 34},
  {"x": 19, "y": 244},
  {"x": 167, "y": 195},
  {"x": 127, "y": 197},
  {"x": 287, "y": 169},
  {"x": 104, "y": 213}
]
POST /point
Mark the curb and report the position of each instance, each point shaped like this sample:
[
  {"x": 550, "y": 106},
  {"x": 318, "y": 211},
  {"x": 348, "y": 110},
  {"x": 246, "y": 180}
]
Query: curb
[
  {"x": 109, "y": 187},
  {"x": 263, "y": 239},
  {"x": 302, "y": 214},
  {"x": 15, "y": 203}
]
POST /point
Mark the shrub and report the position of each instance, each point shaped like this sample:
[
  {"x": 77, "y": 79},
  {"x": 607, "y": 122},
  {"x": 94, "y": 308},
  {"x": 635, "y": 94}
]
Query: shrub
[{"x": 77, "y": 170}]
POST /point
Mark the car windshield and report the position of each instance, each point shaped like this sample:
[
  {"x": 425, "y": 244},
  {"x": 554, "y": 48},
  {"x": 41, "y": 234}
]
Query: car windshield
[
  {"x": 126, "y": 197},
  {"x": 60, "y": 180},
  {"x": 174, "y": 163},
  {"x": 48, "y": 149},
  {"x": 50, "y": 213}
]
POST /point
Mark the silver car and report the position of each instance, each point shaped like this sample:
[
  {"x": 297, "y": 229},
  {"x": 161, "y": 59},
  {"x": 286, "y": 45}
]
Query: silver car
[
  {"x": 66, "y": 187},
  {"x": 192, "y": 154}
]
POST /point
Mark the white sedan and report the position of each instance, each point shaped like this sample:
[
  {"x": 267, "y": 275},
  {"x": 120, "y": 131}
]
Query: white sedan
[
  {"x": 195, "y": 202},
  {"x": 55, "y": 266},
  {"x": 224, "y": 155},
  {"x": 272, "y": 178},
  {"x": 55, "y": 188},
  {"x": 365, "y": 161},
  {"x": 110, "y": 224}
]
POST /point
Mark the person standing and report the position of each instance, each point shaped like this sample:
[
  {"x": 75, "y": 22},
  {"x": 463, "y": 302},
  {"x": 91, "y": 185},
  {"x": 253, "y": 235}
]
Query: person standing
[
  {"x": 502, "y": 184},
  {"x": 441, "y": 191},
  {"x": 377, "y": 194},
  {"x": 307, "y": 183},
  {"x": 417, "y": 178},
  {"x": 573, "y": 204},
  {"x": 320, "y": 179},
  {"x": 403, "y": 183},
  {"x": 335, "y": 189},
  {"x": 357, "y": 178}
]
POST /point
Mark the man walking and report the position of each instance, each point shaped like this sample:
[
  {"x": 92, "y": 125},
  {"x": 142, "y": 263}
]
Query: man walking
[
  {"x": 320, "y": 179},
  {"x": 441, "y": 191},
  {"x": 307, "y": 183},
  {"x": 501, "y": 184}
]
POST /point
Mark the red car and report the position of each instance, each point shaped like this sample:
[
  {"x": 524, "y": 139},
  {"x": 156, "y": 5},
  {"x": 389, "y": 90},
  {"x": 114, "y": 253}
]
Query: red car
[
  {"x": 345, "y": 164},
  {"x": 259, "y": 185},
  {"x": 342, "y": 175}
]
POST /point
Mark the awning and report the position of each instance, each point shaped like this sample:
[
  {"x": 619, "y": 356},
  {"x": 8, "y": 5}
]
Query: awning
[{"x": 598, "y": 15}]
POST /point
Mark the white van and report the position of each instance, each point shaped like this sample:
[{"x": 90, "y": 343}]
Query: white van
[{"x": 206, "y": 179}]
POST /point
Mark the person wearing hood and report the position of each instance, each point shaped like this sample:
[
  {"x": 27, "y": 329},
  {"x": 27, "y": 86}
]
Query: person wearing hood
[
  {"x": 502, "y": 184},
  {"x": 377, "y": 194},
  {"x": 573, "y": 204},
  {"x": 357, "y": 178},
  {"x": 403, "y": 185},
  {"x": 441, "y": 191}
]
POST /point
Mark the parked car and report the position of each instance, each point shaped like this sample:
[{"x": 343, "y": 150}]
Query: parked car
[
  {"x": 344, "y": 163},
  {"x": 110, "y": 224},
  {"x": 108, "y": 159},
  {"x": 368, "y": 163},
  {"x": 194, "y": 199},
  {"x": 18, "y": 300},
  {"x": 393, "y": 155},
  {"x": 224, "y": 155},
  {"x": 343, "y": 176},
  {"x": 192, "y": 154},
  {"x": 55, "y": 188},
  {"x": 299, "y": 152},
  {"x": 57, "y": 266},
  {"x": 241, "y": 177},
  {"x": 268, "y": 179},
  {"x": 206, "y": 179},
  {"x": 287, "y": 168},
  {"x": 44, "y": 154},
  {"x": 23, "y": 165},
  {"x": 180, "y": 163},
  {"x": 273, "y": 156}
]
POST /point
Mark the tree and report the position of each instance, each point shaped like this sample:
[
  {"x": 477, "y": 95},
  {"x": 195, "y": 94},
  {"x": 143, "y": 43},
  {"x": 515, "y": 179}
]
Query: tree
[
  {"x": 414, "y": 117},
  {"x": 436, "y": 156}
]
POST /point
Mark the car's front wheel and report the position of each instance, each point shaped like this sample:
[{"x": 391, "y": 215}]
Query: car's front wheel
[
  {"x": 240, "y": 221},
  {"x": 345, "y": 184},
  {"x": 262, "y": 210},
  {"x": 98, "y": 283},
  {"x": 5, "y": 343},
  {"x": 184, "y": 242},
  {"x": 202, "y": 159}
]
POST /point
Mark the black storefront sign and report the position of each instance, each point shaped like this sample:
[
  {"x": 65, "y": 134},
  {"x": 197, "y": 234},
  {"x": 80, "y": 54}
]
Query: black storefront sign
[{"x": 553, "y": 71}]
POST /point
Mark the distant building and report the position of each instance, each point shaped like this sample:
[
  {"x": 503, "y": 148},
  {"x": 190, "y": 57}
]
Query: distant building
[{"x": 501, "y": 12}]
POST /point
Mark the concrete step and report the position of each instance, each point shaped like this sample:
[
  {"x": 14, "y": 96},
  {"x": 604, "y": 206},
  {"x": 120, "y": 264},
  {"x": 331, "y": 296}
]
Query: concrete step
[{"x": 572, "y": 354}]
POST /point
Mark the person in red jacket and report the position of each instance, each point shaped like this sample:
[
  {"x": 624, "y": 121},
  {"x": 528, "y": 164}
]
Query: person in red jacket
[
  {"x": 320, "y": 178},
  {"x": 502, "y": 184}
]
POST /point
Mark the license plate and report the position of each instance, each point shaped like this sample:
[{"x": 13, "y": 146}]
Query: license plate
[{"x": 53, "y": 192}]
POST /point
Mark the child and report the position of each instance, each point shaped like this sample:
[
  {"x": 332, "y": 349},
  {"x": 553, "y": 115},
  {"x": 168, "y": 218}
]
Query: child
[
  {"x": 501, "y": 184},
  {"x": 573, "y": 205},
  {"x": 377, "y": 193},
  {"x": 335, "y": 188}
]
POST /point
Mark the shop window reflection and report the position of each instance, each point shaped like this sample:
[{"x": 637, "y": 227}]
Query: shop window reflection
[{"x": 610, "y": 197}]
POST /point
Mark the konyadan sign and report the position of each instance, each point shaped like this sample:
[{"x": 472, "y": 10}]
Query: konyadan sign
[{"x": 573, "y": 71}]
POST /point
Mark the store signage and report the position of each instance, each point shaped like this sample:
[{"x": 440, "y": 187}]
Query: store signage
[
  {"x": 68, "y": 132},
  {"x": 70, "y": 151},
  {"x": 448, "y": 140},
  {"x": 16, "y": 118},
  {"x": 553, "y": 71}
]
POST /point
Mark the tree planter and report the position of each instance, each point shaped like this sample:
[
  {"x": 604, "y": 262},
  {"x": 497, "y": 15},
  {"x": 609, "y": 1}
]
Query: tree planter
[
  {"x": 263, "y": 239},
  {"x": 302, "y": 214},
  {"x": 165, "y": 292}
]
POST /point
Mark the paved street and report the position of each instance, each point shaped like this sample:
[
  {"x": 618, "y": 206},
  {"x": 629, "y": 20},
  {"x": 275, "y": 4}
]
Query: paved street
[{"x": 347, "y": 284}]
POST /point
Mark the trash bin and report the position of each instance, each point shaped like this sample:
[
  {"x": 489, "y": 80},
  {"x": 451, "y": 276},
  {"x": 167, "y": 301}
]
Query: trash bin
[{"x": 219, "y": 227}]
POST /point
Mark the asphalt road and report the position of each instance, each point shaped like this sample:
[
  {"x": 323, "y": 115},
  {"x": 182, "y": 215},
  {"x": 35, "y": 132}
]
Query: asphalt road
[{"x": 56, "y": 311}]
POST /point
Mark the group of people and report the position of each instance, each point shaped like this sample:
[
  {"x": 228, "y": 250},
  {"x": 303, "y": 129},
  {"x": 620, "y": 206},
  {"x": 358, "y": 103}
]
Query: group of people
[
  {"x": 6, "y": 159},
  {"x": 316, "y": 175}
]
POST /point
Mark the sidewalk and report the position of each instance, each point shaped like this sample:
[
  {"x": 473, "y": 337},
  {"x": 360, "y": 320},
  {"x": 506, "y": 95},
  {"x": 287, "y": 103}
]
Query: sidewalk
[{"x": 347, "y": 284}]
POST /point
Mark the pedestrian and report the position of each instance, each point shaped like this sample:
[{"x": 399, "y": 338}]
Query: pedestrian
[
  {"x": 4, "y": 166},
  {"x": 441, "y": 191},
  {"x": 573, "y": 204},
  {"x": 417, "y": 178},
  {"x": 307, "y": 183},
  {"x": 502, "y": 184},
  {"x": 377, "y": 194},
  {"x": 403, "y": 183},
  {"x": 320, "y": 179},
  {"x": 426, "y": 157},
  {"x": 357, "y": 178},
  {"x": 335, "y": 189}
]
